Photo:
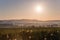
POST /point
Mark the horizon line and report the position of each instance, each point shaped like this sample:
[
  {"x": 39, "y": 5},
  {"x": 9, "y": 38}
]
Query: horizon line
[{"x": 30, "y": 19}]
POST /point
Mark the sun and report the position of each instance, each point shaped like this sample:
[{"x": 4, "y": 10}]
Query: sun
[{"x": 38, "y": 9}]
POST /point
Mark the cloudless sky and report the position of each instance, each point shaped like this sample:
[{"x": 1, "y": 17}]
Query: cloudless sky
[{"x": 25, "y": 9}]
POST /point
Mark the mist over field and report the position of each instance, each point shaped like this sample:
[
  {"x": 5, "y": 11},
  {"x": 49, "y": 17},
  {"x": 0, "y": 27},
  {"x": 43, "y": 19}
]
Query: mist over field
[
  {"x": 29, "y": 19},
  {"x": 28, "y": 23}
]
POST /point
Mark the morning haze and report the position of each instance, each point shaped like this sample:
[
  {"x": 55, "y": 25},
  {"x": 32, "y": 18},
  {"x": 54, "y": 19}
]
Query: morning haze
[
  {"x": 29, "y": 19},
  {"x": 30, "y": 9}
]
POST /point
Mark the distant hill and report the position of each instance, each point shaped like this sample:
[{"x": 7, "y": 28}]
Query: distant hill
[{"x": 26, "y": 22}]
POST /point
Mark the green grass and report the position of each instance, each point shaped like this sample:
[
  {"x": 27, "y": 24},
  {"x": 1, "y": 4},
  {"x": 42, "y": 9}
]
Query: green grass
[{"x": 18, "y": 30}]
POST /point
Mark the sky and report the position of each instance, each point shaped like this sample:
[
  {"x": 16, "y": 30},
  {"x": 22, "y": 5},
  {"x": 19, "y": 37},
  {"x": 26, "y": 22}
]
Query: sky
[{"x": 26, "y": 9}]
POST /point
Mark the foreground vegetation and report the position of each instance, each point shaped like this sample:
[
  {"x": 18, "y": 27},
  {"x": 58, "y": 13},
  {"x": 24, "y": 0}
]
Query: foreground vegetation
[{"x": 40, "y": 33}]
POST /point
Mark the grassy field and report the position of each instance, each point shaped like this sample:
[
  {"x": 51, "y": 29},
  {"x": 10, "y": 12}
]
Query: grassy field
[
  {"x": 41, "y": 33},
  {"x": 18, "y": 30}
]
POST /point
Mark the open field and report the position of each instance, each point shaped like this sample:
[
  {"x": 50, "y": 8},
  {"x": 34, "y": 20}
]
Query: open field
[
  {"x": 18, "y": 30},
  {"x": 42, "y": 33}
]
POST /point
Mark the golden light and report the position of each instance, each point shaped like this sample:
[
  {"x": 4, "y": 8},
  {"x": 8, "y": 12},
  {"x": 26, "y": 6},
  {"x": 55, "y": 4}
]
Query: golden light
[{"x": 39, "y": 9}]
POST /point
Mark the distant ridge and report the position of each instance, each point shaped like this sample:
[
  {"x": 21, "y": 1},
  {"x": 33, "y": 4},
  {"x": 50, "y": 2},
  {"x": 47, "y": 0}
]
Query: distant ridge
[
  {"x": 53, "y": 21},
  {"x": 26, "y": 22},
  {"x": 31, "y": 20}
]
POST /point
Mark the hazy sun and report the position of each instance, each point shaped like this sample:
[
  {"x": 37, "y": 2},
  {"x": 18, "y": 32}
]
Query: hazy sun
[{"x": 38, "y": 9}]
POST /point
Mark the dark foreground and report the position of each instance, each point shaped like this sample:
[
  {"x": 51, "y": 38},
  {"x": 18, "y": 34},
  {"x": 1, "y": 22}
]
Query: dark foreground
[{"x": 30, "y": 33}]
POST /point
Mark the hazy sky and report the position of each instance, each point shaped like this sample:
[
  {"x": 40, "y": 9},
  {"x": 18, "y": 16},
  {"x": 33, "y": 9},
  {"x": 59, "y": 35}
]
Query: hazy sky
[{"x": 25, "y": 9}]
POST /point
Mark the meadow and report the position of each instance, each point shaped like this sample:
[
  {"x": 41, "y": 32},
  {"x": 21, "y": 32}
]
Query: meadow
[{"x": 40, "y": 33}]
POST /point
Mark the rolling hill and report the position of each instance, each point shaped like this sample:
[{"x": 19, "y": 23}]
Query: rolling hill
[{"x": 27, "y": 23}]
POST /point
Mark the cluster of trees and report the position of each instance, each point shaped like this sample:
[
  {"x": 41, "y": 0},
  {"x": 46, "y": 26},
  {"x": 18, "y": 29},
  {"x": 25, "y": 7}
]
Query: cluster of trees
[
  {"x": 37, "y": 26},
  {"x": 53, "y": 25}
]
